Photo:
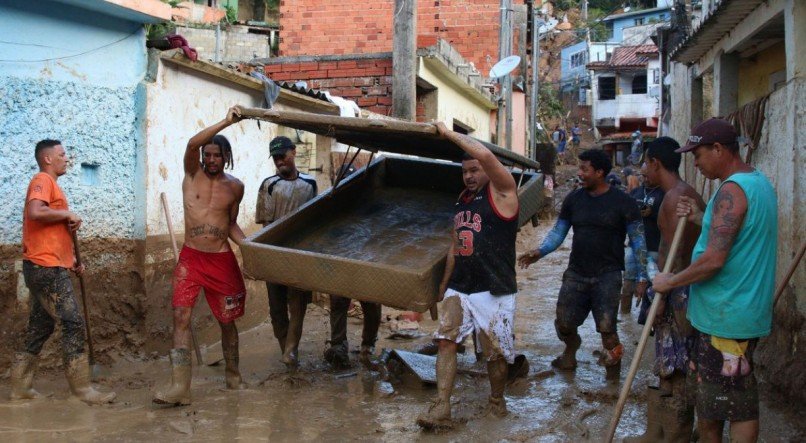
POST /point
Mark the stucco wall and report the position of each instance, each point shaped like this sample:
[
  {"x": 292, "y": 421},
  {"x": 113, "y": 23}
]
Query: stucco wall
[
  {"x": 182, "y": 102},
  {"x": 453, "y": 104},
  {"x": 87, "y": 101},
  {"x": 754, "y": 72}
]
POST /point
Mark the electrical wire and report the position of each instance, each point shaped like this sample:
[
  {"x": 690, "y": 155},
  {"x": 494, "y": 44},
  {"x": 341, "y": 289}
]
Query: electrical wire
[{"x": 136, "y": 31}]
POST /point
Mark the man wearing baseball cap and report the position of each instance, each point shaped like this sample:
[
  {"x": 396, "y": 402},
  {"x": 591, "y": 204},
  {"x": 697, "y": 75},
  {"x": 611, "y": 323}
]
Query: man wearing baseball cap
[
  {"x": 277, "y": 196},
  {"x": 732, "y": 278}
]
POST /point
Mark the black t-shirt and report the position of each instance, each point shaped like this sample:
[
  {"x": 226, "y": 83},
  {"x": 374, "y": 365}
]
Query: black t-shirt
[
  {"x": 649, "y": 200},
  {"x": 600, "y": 227},
  {"x": 485, "y": 251}
]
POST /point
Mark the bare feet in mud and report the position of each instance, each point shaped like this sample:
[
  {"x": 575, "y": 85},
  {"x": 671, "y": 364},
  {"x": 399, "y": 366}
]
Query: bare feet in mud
[
  {"x": 497, "y": 407},
  {"x": 437, "y": 417}
]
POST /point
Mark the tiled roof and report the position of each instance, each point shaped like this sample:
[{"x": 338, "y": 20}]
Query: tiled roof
[{"x": 628, "y": 57}]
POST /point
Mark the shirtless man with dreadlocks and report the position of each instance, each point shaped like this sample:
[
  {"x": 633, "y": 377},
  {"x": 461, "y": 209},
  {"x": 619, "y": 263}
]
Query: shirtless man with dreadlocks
[{"x": 211, "y": 199}]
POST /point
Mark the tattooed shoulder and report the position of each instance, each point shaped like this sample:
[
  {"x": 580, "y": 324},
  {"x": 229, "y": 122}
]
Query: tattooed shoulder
[{"x": 728, "y": 215}]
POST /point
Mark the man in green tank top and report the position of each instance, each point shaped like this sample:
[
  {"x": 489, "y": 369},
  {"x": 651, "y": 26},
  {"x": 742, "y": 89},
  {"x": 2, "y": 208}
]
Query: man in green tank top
[{"x": 732, "y": 278}]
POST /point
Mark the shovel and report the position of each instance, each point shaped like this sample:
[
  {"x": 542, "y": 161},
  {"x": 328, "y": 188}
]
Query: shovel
[{"x": 94, "y": 368}]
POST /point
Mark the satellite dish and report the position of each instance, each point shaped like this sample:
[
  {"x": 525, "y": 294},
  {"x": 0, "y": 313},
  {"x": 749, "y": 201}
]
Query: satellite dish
[{"x": 505, "y": 66}]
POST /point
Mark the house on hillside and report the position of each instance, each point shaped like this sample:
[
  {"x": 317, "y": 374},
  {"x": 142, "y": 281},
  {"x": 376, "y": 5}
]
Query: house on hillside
[
  {"x": 630, "y": 28},
  {"x": 626, "y": 92},
  {"x": 746, "y": 61}
]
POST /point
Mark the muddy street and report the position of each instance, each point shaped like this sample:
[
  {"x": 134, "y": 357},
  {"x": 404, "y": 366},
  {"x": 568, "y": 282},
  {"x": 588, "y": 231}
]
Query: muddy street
[{"x": 321, "y": 405}]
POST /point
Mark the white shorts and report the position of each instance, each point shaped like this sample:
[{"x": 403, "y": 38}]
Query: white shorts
[{"x": 494, "y": 315}]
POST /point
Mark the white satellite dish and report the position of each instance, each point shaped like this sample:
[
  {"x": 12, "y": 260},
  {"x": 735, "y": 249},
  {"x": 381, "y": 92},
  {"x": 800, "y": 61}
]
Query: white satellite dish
[{"x": 505, "y": 66}]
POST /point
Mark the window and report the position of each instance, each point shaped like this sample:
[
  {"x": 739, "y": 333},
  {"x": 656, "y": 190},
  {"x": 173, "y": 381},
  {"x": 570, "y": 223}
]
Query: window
[
  {"x": 639, "y": 21},
  {"x": 607, "y": 88},
  {"x": 655, "y": 76},
  {"x": 578, "y": 59},
  {"x": 639, "y": 84}
]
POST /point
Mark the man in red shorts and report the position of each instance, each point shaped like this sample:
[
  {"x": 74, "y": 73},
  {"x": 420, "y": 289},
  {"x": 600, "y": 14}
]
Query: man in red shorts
[{"x": 211, "y": 199}]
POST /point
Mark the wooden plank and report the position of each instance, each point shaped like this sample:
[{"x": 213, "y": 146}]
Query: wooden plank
[{"x": 397, "y": 136}]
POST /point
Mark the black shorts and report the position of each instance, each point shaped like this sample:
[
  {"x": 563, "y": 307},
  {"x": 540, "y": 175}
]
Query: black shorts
[
  {"x": 725, "y": 386},
  {"x": 580, "y": 296}
]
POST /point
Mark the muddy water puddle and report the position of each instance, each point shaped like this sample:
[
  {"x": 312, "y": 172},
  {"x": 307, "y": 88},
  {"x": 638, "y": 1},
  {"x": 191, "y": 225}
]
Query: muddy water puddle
[
  {"x": 395, "y": 226},
  {"x": 548, "y": 406}
]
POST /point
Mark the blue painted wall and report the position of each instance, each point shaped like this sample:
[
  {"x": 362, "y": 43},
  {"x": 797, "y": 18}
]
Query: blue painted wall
[
  {"x": 567, "y": 73},
  {"x": 620, "y": 21},
  {"x": 74, "y": 75}
]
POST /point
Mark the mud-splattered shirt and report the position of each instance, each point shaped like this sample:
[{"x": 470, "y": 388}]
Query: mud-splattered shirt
[{"x": 278, "y": 196}]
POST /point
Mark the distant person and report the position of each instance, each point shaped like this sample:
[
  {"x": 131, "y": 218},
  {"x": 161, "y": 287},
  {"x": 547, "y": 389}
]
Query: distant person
[
  {"x": 636, "y": 148},
  {"x": 601, "y": 216},
  {"x": 479, "y": 284},
  {"x": 211, "y": 199},
  {"x": 279, "y": 195},
  {"x": 732, "y": 279},
  {"x": 558, "y": 137},
  {"x": 575, "y": 135},
  {"x": 47, "y": 252}
]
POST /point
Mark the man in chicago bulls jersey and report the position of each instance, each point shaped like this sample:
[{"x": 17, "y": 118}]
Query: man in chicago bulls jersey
[{"x": 479, "y": 287}]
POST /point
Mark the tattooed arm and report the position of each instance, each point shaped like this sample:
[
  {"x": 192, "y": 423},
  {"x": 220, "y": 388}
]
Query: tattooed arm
[
  {"x": 635, "y": 231},
  {"x": 730, "y": 207}
]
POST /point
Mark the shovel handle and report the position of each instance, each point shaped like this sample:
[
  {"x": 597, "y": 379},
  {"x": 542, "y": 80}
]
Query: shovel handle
[
  {"x": 639, "y": 351},
  {"x": 167, "y": 211},
  {"x": 84, "y": 300}
]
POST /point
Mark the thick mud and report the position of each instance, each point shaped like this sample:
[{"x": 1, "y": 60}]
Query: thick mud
[{"x": 322, "y": 405}]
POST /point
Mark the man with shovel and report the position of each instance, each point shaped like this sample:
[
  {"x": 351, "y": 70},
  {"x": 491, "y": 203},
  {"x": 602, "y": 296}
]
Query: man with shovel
[
  {"x": 732, "y": 279},
  {"x": 47, "y": 250},
  {"x": 211, "y": 199},
  {"x": 479, "y": 285},
  {"x": 669, "y": 416}
]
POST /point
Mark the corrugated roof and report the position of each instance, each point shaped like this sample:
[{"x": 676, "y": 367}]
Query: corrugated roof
[
  {"x": 721, "y": 20},
  {"x": 628, "y": 57},
  {"x": 305, "y": 90}
]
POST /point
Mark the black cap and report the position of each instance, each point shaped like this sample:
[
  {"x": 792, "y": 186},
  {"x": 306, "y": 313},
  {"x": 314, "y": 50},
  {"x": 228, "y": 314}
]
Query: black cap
[{"x": 279, "y": 145}]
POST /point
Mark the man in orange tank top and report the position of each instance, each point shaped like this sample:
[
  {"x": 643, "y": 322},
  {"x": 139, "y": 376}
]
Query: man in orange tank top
[{"x": 47, "y": 250}]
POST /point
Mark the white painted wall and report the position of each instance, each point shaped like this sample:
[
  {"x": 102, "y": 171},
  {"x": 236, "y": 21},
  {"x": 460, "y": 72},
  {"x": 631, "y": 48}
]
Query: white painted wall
[
  {"x": 181, "y": 102},
  {"x": 453, "y": 104}
]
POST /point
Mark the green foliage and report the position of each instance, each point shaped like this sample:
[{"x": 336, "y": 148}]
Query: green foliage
[
  {"x": 232, "y": 14},
  {"x": 159, "y": 30},
  {"x": 564, "y": 5},
  {"x": 549, "y": 104}
]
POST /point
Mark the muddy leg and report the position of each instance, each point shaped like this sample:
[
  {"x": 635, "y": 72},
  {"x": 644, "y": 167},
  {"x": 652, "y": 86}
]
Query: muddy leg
[
  {"x": 229, "y": 347},
  {"x": 438, "y": 415},
  {"x": 710, "y": 430},
  {"x": 744, "y": 431},
  {"x": 627, "y": 293},
  {"x": 338, "y": 353},
  {"x": 278, "y": 312},
  {"x": 572, "y": 340},
  {"x": 604, "y": 305},
  {"x": 573, "y": 306},
  {"x": 182, "y": 327},
  {"x": 369, "y": 332},
  {"x": 297, "y": 305},
  {"x": 676, "y": 416},
  {"x": 497, "y": 373}
]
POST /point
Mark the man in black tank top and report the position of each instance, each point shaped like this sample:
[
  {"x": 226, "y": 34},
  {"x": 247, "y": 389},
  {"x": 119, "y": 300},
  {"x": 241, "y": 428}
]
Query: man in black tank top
[{"x": 479, "y": 283}]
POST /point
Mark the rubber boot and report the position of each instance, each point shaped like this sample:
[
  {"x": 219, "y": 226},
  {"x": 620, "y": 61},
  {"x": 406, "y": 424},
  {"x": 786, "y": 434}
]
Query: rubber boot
[
  {"x": 178, "y": 393},
  {"x": 365, "y": 356},
  {"x": 338, "y": 356},
  {"x": 497, "y": 372},
  {"x": 78, "y": 376},
  {"x": 675, "y": 416},
  {"x": 296, "y": 307},
  {"x": 568, "y": 360},
  {"x": 438, "y": 414},
  {"x": 22, "y": 376},
  {"x": 654, "y": 431}
]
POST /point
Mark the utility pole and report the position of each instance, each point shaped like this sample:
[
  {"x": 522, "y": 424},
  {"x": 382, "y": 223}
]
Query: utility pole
[
  {"x": 404, "y": 60},
  {"x": 504, "y": 123},
  {"x": 534, "y": 99}
]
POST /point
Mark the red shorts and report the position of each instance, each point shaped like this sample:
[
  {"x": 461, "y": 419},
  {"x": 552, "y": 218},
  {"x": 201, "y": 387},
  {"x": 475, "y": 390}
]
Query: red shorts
[{"x": 220, "y": 277}]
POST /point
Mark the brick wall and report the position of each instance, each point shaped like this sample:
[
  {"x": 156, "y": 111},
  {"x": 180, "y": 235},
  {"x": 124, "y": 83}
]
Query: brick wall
[
  {"x": 236, "y": 44},
  {"x": 319, "y": 27},
  {"x": 367, "y": 81}
]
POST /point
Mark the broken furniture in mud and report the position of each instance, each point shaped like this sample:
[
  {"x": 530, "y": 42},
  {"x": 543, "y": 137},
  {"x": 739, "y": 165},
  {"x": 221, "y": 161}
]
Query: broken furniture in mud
[{"x": 381, "y": 234}]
